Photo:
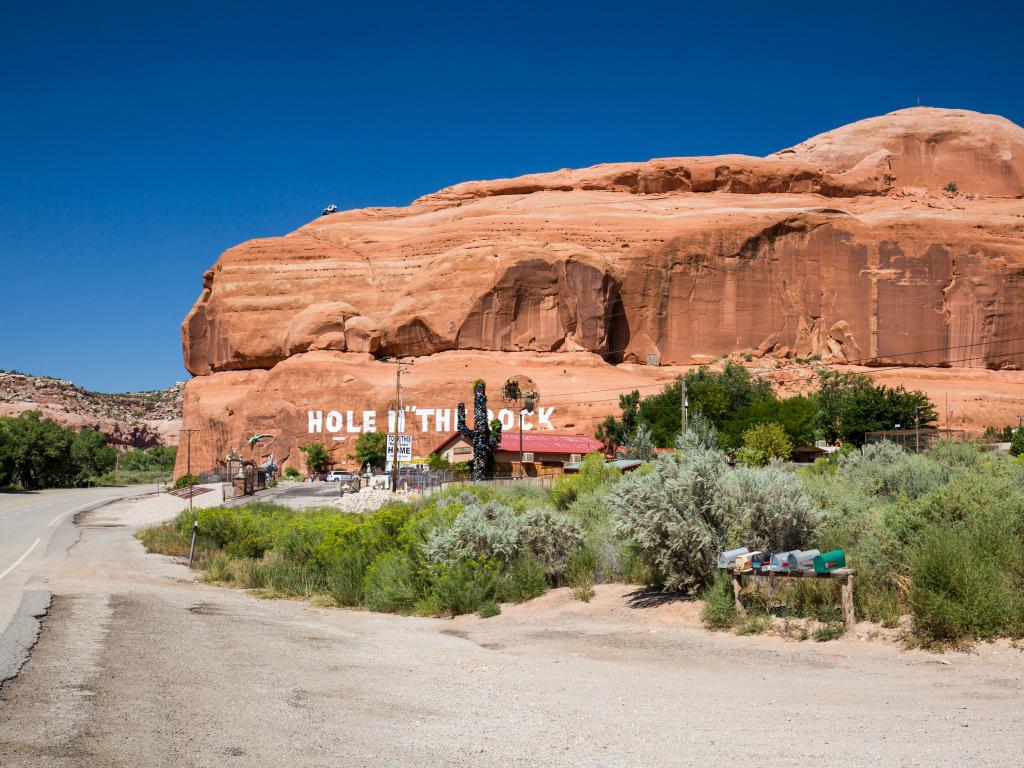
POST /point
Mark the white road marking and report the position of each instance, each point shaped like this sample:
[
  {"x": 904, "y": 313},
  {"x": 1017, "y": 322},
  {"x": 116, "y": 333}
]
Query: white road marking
[{"x": 20, "y": 559}]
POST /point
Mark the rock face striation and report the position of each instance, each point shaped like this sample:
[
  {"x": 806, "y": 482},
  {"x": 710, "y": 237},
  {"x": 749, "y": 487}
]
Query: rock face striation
[{"x": 894, "y": 240}]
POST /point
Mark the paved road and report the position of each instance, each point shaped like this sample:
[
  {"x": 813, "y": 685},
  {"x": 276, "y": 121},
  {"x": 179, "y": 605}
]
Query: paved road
[{"x": 28, "y": 522}]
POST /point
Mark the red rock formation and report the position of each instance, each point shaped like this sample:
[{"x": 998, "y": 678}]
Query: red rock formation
[{"x": 845, "y": 247}]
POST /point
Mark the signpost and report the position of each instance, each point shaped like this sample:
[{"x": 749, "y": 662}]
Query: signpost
[{"x": 397, "y": 454}]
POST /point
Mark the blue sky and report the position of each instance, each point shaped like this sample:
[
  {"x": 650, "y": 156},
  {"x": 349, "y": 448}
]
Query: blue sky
[{"x": 138, "y": 143}]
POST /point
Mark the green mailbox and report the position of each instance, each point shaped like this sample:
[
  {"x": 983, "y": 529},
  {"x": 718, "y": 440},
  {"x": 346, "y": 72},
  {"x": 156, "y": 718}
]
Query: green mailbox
[{"x": 829, "y": 561}]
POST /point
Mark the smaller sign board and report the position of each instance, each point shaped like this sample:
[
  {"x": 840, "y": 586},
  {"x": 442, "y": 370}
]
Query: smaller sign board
[
  {"x": 404, "y": 448},
  {"x": 653, "y": 359}
]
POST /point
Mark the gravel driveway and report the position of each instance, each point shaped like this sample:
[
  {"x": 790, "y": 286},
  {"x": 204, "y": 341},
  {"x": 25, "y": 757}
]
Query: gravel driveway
[{"x": 138, "y": 665}]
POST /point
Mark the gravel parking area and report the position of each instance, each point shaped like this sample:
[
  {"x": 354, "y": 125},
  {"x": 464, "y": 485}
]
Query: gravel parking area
[{"x": 140, "y": 665}]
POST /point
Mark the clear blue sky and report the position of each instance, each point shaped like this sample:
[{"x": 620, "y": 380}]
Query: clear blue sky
[{"x": 139, "y": 142}]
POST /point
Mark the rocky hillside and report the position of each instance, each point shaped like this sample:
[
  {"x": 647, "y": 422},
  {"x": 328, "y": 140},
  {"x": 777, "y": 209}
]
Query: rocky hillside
[
  {"x": 897, "y": 240},
  {"x": 129, "y": 419}
]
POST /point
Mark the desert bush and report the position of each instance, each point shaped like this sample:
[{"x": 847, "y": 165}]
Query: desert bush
[
  {"x": 464, "y": 586},
  {"x": 593, "y": 476},
  {"x": 769, "y": 508},
  {"x": 959, "y": 589},
  {"x": 885, "y": 469},
  {"x": 579, "y": 574},
  {"x": 764, "y": 442},
  {"x": 184, "y": 481},
  {"x": 392, "y": 583},
  {"x": 551, "y": 538},
  {"x": 675, "y": 515},
  {"x": 525, "y": 580},
  {"x": 490, "y": 530},
  {"x": 719, "y": 606},
  {"x": 488, "y": 609}
]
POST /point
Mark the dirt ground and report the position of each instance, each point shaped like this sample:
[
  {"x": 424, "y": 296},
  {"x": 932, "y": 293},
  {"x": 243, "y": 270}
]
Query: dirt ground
[{"x": 139, "y": 665}]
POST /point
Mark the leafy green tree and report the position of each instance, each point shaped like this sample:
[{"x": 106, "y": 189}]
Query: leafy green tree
[
  {"x": 370, "y": 450},
  {"x": 36, "y": 452},
  {"x": 764, "y": 442},
  {"x": 850, "y": 404},
  {"x": 318, "y": 458},
  {"x": 438, "y": 463},
  {"x": 720, "y": 394},
  {"x": 796, "y": 415},
  {"x": 1017, "y": 442},
  {"x": 159, "y": 458},
  {"x": 91, "y": 455}
]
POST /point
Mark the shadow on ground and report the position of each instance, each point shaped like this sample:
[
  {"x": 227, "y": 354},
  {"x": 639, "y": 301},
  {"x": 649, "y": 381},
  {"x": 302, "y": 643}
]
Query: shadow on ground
[{"x": 650, "y": 597}]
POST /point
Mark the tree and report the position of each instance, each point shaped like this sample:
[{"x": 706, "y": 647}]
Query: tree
[
  {"x": 36, "y": 452},
  {"x": 850, "y": 404},
  {"x": 370, "y": 450},
  {"x": 91, "y": 455},
  {"x": 318, "y": 458},
  {"x": 762, "y": 443},
  {"x": 1017, "y": 442},
  {"x": 438, "y": 463},
  {"x": 796, "y": 415}
]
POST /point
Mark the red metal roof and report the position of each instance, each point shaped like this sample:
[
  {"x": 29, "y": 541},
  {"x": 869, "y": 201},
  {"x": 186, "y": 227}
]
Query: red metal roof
[{"x": 540, "y": 442}]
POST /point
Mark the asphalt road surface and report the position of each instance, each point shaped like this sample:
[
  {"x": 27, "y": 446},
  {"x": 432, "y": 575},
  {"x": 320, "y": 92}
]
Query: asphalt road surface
[
  {"x": 138, "y": 664},
  {"x": 28, "y": 523}
]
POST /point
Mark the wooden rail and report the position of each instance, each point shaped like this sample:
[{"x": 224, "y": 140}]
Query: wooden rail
[{"x": 843, "y": 575}]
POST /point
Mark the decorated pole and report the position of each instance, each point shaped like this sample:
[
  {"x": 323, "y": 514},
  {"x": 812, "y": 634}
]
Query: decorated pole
[{"x": 484, "y": 436}]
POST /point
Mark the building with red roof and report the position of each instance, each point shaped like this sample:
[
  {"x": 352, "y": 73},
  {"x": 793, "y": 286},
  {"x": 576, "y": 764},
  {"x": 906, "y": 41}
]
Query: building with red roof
[{"x": 543, "y": 452}]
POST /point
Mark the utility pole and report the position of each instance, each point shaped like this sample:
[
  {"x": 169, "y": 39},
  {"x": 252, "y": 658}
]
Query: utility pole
[
  {"x": 683, "y": 404},
  {"x": 398, "y": 412},
  {"x": 188, "y": 465},
  {"x": 917, "y": 429}
]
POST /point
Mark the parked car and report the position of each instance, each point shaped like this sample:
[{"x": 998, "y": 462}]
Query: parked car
[{"x": 339, "y": 476}]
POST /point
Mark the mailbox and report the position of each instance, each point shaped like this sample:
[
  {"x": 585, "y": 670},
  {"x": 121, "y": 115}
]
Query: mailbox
[
  {"x": 830, "y": 561},
  {"x": 785, "y": 561},
  {"x": 805, "y": 560},
  {"x": 745, "y": 562},
  {"x": 727, "y": 560}
]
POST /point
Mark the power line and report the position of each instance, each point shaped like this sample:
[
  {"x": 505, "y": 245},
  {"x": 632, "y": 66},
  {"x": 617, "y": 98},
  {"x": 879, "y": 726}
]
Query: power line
[{"x": 810, "y": 374}]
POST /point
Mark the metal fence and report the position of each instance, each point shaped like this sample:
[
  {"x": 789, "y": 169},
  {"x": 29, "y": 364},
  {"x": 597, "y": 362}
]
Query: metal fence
[{"x": 915, "y": 439}]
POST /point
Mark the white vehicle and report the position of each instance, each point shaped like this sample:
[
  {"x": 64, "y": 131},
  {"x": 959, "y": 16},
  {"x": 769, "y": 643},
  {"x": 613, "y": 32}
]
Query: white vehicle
[{"x": 339, "y": 476}]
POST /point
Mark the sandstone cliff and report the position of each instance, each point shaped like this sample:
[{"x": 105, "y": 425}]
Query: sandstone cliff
[{"x": 846, "y": 247}]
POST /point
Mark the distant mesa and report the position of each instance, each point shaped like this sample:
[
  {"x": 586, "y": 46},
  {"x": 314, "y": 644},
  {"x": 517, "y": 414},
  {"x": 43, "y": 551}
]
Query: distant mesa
[{"x": 846, "y": 247}]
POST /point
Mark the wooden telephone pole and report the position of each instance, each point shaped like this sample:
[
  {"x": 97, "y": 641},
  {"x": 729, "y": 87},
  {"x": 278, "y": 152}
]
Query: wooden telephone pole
[
  {"x": 188, "y": 471},
  {"x": 683, "y": 406},
  {"x": 398, "y": 412}
]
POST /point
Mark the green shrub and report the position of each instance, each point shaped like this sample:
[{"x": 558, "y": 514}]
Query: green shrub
[
  {"x": 291, "y": 473},
  {"x": 185, "y": 480},
  {"x": 525, "y": 580},
  {"x": 465, "y": 586},
  {"x": 719, "y": 606},
  {"x": 345, "y": 576},
  {"x": 392, "y": 583},
  {"x": 579, "y": 574},
  {"x": 218, "y": 569},
  {"x": 488, "y": 609},
  {"x": 753, "y": 624},
  {"x": 593, "y": 476},
  {"x": 768, "y": 440},
  {"x": 831, "y": 631},
  {"x": 958, "y": 590}
]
